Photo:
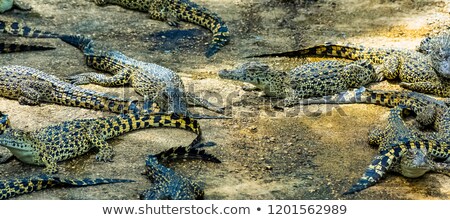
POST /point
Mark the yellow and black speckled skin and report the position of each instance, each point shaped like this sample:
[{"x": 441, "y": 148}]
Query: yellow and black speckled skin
[
  {"x": 310, "y": 80},
  {"x": 154, "y": 82},
  {"x": 428, "y": 110},
  {"x": 414, "y": 69},
  {"x": 13, "y": 47},
  {"x": 185, "y": 10},
  {"x": 31, "y": 87},
  {"x": 398, "y": 151},
  {"x": 48, "y": 145},
  {"x": 14, "y": 187}
]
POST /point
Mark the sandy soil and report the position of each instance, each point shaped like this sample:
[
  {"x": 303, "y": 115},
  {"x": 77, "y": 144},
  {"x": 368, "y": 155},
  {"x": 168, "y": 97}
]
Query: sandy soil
[{"x": 314, "y": 152}]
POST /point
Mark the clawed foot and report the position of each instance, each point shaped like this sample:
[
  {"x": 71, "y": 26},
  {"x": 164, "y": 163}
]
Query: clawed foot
[
  {"x": 105, "y": 155},
  {"x": 173, "y": 23}
]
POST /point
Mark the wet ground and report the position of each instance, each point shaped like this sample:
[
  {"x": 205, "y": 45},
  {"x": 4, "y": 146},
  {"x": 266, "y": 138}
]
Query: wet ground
[{"x": 313, "y": 152}]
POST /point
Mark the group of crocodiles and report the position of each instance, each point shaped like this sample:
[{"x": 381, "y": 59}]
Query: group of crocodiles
[{"x": 404, "y": 148}]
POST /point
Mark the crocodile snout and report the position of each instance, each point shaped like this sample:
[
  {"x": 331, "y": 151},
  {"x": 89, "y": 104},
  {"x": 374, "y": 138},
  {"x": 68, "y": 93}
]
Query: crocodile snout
[{"x": 228, "y": 74}]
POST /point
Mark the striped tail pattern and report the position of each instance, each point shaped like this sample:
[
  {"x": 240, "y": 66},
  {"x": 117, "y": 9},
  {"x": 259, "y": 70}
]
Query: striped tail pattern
[
  {"x": 19, "y": 186},
  {"x": 12, "y": 47},
  {"x": 17, "y": 29},
  {"x": 191, "y": 12}
]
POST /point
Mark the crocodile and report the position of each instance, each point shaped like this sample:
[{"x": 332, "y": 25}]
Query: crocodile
[
  {"x": 175, "y": 10},
  {"x": 18, "y": 186},
  {"x": 15, "y": 47},
  {"x": 31, "y": 87},
  {"x": 315, "y": 79},
  {"x": 403, "y": 151},
  {"x": 438, "y": 48},
  {"x": 417, "y": 71},
  {"x": 167, "y": 184},
  {"x": 48, "y": 145},
  {"x": 154, "y": 82},
  {"x": 6, "y": 5},
  {"x": 427, "y": 109}
]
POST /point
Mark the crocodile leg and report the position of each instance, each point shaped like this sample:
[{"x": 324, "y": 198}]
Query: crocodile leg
[
  {"x": 105, "y": 151},
  {"x": 390, "y": 67},
  {"x": 50, "y": 163},
  {"x": 427, "y": 87},
  {"x": 441, "y": 167},
  {"x": 121, "y": 78},
  {"x": 30, "y": 96}
]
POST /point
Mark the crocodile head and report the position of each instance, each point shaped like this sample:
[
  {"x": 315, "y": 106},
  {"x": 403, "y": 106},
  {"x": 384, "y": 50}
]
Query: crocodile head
[
  {"x": 415, "y": 163},
  {"x": 438, "y": 48},
  {"x": 4, "y": 122},
  {"x": 259, "y": 74}
]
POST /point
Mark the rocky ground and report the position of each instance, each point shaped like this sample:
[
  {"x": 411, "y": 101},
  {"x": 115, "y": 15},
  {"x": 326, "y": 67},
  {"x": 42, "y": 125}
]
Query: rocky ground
[{"x": 313, "y": 152}]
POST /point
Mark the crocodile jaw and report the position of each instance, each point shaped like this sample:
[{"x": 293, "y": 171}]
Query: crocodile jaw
[
  {"x": 233, "y": 75},
  {"x": 26, "y": 156},
  {"x": 414, "y": 172},
  {"x": 5, "y": 5}
]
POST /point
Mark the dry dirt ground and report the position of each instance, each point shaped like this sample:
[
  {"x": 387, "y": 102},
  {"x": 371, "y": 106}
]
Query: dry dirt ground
[{"x": 315, "y": 152}]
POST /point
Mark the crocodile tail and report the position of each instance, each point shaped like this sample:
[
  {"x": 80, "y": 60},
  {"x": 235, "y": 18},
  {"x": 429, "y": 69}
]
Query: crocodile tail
[
  {"x": 335, "y": 50},
  {"x": 10, "y": 48},
  {"x": 17, "y": 29},
  {"x": 194, "y": 13},
  {"x": 14, "y": 187},
  {"x": 221, "y": 37},
  {"x": 180, "y": 153},
  {"x": 376, "y": 170},
  {"x": 79, "y": 41},
  {"x": 89, "y": 181},
  {"x": 178, "y": 121},
  {"x": 135, "y": 121}
]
